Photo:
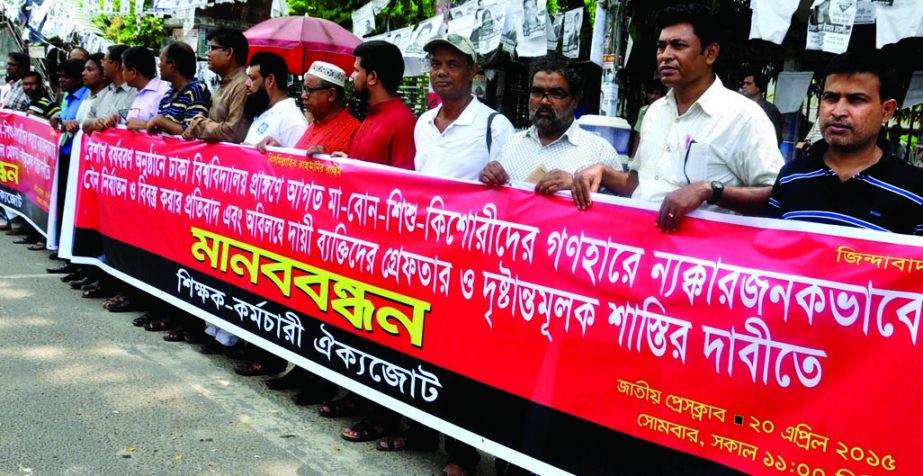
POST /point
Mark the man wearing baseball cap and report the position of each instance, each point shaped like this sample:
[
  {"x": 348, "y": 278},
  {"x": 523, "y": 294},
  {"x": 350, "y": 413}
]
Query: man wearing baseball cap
[{"x": 459, "y": 137}]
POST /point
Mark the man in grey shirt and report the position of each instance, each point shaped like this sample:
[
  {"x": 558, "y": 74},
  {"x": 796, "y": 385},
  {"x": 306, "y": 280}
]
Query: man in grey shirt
[{"x": 117, "y": 96}]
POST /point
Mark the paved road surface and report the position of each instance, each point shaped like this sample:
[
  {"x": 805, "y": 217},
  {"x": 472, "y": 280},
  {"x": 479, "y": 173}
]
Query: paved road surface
[{"x": 82, "y": 392}]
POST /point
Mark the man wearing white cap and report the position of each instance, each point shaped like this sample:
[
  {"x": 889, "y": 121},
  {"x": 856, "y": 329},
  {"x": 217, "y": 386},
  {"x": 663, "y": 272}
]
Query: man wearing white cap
[
  {"x": 459, "y": 137},
  {"x": 333, "y": 127},
  {"x": 282, "y": 121}
]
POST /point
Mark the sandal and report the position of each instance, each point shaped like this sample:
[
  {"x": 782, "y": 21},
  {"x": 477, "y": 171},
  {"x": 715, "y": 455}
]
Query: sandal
[
  {"x": 455, "y": 469},
  {"x": 117, "y": 299},
  {"x": 138, "y": 321},
  {"x": 365, "y": 430},
  {"x": 418, "y": 439},
  {"x": 345, "y": 406},
  {"x": 158, "y": 325},
  {"x": 94, "y": 290},
  {"x": 37, "y": 246},
  {"x": 174, "y": 336}
]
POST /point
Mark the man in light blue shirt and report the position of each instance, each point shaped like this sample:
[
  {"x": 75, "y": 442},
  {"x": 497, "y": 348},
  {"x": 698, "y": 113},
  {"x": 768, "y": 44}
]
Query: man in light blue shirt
[{"x": 140, "y": 71}]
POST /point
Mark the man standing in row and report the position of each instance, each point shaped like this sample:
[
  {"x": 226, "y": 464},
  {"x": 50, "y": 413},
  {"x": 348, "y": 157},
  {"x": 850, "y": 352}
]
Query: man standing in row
[
  {"x": 117, "y": 96},
  {"x": 551, "y": 151},
  {"x": 323, "y": 97},
  {"x": 852, "y": 177},
  {"x": 226, "y": 121},
  {"x": 754, "y": 87},
  {"x": 187, "y": 98},
  {"x": 701, "y": 142},
  {"x": 267, "y": 84},
  {"x": 17, "y": 65},
  {"x": 386, "y": 134},
  {"x": 140, "y": 72}
]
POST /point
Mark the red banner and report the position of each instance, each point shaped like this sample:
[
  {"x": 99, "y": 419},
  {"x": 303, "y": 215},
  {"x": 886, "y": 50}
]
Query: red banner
[
  {"x": 766, "y": 346},
  {"x": 28, "y": 162}
]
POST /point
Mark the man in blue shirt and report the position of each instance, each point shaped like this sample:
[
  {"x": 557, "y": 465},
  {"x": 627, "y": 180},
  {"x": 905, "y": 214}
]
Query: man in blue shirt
[{"x": 70, "y": 77}]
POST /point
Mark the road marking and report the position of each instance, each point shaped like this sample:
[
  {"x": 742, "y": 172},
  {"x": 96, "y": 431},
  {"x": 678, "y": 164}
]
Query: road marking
[{"x": 29, "y": 276}]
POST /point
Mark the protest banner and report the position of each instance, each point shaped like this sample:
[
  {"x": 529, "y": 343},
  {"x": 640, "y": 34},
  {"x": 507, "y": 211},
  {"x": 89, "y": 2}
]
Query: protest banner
[
  {"x": 563, "y": 341},
  {"x": 28, "y": 162}
]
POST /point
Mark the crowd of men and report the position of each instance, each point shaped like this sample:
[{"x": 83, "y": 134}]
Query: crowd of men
[{"x": 702, "y": 146}]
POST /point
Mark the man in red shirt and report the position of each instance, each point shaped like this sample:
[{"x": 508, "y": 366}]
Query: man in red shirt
[
  {"x": 333, "y": 127},
  {"x": 386, "y": 135}
]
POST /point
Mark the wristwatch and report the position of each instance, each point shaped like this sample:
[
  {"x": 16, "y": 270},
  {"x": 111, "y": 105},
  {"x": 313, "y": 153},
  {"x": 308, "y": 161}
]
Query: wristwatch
[{"x": 717, "y": 189}]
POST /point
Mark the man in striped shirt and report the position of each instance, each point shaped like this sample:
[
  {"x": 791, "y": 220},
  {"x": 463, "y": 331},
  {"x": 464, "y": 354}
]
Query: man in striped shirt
[
  {"x": 187, "y": 98},
  {"x": 851, "y": 177}
]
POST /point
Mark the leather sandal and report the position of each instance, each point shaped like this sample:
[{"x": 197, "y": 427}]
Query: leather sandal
[{"x": 141, "y": 321}]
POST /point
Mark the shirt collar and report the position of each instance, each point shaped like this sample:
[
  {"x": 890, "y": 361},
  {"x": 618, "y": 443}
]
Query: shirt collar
[
  {"x": 78, "y": 94},
  {"x": 709, "y": 101},
  {"x": 466, "y": 118},
  {"x": 329, "y": 118},
  {"x": 573, "y": 134},
  {"x": 152, "y": 85},
  {"x": 818, "y": 149},
  {"x": 232, "y": 76}
]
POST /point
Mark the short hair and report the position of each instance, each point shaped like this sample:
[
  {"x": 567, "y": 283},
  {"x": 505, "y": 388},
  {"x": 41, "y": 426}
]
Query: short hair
[
  {"x": 96, "y": 58},
  {"x": 80, "y": 48},
  {"x": 271, "y": 63},
  {"x": 182, "y": 57},
  {"x": 853, "y": 63},
  {"x": 385, "y": 60},
  {"x": 703, "y": 19},
  {"x": 141, "y": 59},
  {"x": 555, "y": 63},
  {"x": 71, "y": 68},
  {"x": 21, "y": 58},
  {"x": 759, "y": 79},
  {"x": 234, "y": 39},
  {"x": 115, "y": 53},
  {"x": 38, "y": 75}
]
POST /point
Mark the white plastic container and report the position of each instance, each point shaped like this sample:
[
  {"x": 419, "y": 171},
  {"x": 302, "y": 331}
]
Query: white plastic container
[{"x": 615, "y": 130}]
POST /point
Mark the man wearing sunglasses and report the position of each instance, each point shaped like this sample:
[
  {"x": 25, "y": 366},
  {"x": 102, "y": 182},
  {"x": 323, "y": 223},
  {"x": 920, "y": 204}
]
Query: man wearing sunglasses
[
  {"x": 701, "y": 143},
  {"x": 555, "y": 147}
]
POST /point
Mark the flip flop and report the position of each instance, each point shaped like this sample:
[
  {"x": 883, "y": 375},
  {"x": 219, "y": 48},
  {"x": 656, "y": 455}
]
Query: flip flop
[
  {"x": 365, "y": 430},
  {"x": 345, "y": 406}
]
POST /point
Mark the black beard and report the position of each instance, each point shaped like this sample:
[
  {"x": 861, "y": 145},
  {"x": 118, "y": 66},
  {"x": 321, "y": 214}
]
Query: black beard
[
  {"x": 363, "y": 95},
  {"x": 256, "y": 104}
]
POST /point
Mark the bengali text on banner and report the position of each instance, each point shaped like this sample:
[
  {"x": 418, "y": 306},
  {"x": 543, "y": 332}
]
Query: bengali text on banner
[
  {"x": 28, "y": 161},
  {"x": 762, "y": 346}
]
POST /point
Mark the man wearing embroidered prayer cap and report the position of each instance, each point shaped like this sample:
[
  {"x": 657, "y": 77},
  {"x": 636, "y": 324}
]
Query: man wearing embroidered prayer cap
[{"x": 323, "y": 97}]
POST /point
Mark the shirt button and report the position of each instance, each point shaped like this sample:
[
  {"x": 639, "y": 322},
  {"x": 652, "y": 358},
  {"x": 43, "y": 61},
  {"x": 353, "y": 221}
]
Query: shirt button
[
  {"x": 668, "y": 149},
  {"x": 656, "y": 177},
  {"x": 676, "y": 120}
]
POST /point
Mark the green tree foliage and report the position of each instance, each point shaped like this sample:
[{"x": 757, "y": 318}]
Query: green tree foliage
[{"x": 135, "y": 29}]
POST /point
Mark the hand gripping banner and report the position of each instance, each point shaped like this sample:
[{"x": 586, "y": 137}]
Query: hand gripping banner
[
  {"x": 564, "y": 341},
  {"x": 28, "y": 164}
]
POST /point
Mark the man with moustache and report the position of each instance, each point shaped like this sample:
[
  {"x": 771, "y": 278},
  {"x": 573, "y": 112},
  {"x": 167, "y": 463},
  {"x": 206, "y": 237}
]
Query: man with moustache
[
  {"x": 267, "y": 83},
  {"x": 322, "y": 94},
  {"x": 551, "y": 151},
  {"x": 701, "y": 143},
  {"x": 226, "y": 121},
  {"x": 460, "y": 136},
  {"x": 187, "y": 98},
  {"x": 852, "y": 177}
]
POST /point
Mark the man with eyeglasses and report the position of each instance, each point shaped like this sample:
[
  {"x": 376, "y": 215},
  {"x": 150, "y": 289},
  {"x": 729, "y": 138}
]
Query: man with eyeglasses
[
  {"x": 226, "y": 121},
  {"x": 701, "y": 143},
  {"x": 460, "y": 136},
  {"x": 555, "y": 147},
  {"x": 333, "y": 127},
  {"x": 117, "y": 96}
]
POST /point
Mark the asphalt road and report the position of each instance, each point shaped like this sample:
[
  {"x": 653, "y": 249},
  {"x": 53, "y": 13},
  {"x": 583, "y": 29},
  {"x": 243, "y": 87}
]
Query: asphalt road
[{"x": 83, "y": 392}]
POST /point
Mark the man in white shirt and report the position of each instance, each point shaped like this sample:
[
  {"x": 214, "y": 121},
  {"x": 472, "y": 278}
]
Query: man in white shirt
[
  {"x": 551, "y": 151},
  {"x": 700, "y": 143},
  {"x": 283, "y": 120},
  {"x": 460, "y": 136}
]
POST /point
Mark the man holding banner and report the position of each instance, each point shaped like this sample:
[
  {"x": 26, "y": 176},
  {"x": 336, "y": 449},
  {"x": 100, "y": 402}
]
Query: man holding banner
[
  {"x": 701, "y": 143},
  {"x": 852, "y": 177},
  {"x": 283, "y": 121}
]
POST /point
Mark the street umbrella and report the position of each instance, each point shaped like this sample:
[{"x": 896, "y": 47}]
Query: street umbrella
[{"x": 304, "y": 40}]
